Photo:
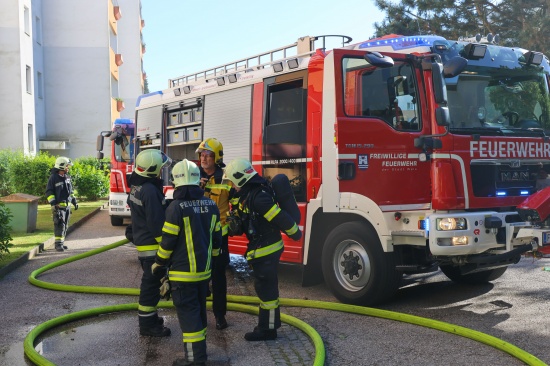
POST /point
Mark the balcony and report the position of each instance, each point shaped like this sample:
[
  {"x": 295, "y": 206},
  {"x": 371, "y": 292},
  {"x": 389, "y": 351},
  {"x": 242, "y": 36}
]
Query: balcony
[
  {"x": 118, "y": 59},
  {"x": 112, "y": 17},
  {"x": 116, "y": 12},
  {"x": 113, "y": 63}
]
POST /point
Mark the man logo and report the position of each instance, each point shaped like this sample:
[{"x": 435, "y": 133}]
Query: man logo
[{"x": 515, "y": 163}]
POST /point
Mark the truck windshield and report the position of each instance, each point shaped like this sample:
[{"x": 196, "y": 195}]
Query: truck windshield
[
  {"x": 124, "y": 143},
  {"x": 486, "y": 99},
  {"x": 499, "y": 94}
]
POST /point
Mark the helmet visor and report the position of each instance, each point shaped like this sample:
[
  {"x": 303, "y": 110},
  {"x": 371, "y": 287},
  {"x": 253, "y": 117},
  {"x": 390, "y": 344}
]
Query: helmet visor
[{"x": 166, "y": 160}]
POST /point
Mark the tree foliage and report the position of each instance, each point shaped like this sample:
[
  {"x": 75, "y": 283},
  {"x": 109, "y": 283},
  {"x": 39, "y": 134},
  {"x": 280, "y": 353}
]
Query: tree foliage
[
  {"x": 519, "y": 23},
  {"x": 5, "y": 237}
]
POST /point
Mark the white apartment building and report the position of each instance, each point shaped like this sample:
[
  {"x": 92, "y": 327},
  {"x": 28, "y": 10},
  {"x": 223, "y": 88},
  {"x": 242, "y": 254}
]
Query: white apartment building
[{"x": 63, "y": 65}]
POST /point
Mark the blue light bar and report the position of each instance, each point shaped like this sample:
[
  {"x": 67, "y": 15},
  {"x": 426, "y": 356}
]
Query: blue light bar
[
  {"x": 524, "y": 193},
  {"x": 401, "y": 43},
  {"x": 501, "y": 193}
]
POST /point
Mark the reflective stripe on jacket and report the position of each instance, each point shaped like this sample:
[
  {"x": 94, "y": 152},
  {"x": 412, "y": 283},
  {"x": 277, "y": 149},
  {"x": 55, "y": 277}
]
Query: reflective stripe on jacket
[
  {"x": 147, "y": 205},
  {"x": 191, "y": 235}
]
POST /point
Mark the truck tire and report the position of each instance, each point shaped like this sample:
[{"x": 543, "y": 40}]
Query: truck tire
[
  {"x": 453, "y": 273},
  {"x": 117, "y": 220},
  {"x": 355, "y": 267}
]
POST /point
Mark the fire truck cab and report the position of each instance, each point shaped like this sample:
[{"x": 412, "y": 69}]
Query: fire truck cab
[
  {"x": 405, "y": 154},
  {"x": 122, "y": 165}
]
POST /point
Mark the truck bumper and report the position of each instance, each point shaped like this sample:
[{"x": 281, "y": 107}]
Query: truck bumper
[
  {"x": 118, "y": 205},
  {"x": 480, "y": 233}
]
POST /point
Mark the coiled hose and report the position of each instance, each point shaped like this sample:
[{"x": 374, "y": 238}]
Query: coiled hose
[{"x": 237, "y": 303}]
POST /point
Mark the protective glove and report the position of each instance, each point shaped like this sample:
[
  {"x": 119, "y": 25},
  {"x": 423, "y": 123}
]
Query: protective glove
[
  {"x": 75, "y": 204},
  {"x": 157, "y": 267},
  {"x": 165, "y": 288},
  {"x": 53, "y": 209}
]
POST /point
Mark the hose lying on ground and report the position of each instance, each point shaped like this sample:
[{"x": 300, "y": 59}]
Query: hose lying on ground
[{"x": 236, "y": 303}]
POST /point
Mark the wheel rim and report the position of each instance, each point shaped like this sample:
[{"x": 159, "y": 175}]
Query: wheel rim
[{"x": 351, "y": 265}]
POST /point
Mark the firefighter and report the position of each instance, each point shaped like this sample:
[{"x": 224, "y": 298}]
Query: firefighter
[
  {"x": 261, "y": 219},
  {"x": 191, "y": 239},
  {"x": 210, "y": 152},
  {"x": 147, "y": 206},
  {"x": 59, "y": 193}
]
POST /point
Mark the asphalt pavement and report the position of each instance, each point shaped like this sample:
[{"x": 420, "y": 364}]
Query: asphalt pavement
[
  {"x": 113, "y": 339},
  {"x": 514, "y": 308}
]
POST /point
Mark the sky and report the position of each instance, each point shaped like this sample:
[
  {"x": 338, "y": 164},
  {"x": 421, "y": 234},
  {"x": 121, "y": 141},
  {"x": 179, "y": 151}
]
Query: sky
[{"x": 187, "y": 36}]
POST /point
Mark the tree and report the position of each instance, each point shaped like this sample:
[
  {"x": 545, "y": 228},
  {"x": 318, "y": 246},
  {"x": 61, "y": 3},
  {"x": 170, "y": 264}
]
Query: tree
[
  {"x": 145, "y": 86},
  {"x": 523, "y": 23}
]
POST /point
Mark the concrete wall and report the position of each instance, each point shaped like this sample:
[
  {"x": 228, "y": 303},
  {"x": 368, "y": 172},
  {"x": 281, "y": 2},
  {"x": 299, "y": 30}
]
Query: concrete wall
[
  {"x": 129, "y": 45},
  {"x": 68, "y": 47},
  {"x": 16, "y": 104}
]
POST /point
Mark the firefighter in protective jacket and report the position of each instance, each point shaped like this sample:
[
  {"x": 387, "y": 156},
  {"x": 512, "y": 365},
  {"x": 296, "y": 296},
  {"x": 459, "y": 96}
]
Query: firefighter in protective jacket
[
  {"x": 191, "y": 239},
  {"x": 59, "y": 193},
  {"x": 210, "y": 153},
  {"x": 147, "y": 206},
  {"x": 262, "y": 221}
]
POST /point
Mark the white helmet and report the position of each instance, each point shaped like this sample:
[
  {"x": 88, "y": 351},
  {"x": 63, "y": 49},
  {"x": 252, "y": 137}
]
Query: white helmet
[
  {"x": 186, "y": 173},
  {"x": 239, "y": 171},
  {"x": 62, "y": 163},
  {"x": 149, "y": 163}
]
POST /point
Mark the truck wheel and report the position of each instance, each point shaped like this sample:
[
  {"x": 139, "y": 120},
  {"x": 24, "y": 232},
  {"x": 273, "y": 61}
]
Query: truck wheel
[
  {"x": 453, "y": 273},
  {"x": 117, "y": 220},
  {"x": 355, "y": 267}
]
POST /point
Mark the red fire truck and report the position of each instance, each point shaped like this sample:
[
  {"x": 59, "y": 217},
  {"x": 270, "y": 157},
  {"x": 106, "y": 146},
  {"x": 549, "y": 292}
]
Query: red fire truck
[
  {"x": 122, "y": 165},
  {"x": 406, "y": 154}
]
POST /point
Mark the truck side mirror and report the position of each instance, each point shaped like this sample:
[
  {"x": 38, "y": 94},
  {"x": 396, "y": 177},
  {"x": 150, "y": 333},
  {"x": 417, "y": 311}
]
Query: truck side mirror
[
  {"x": 99, "y": 143},
  {"x": 439, "y": 87},
  {"x": 454, "y": 66},
  {"x": 378, "y": 60},
  {"x": 442, "y": 116},
  {"x": 99, "y": 155}
]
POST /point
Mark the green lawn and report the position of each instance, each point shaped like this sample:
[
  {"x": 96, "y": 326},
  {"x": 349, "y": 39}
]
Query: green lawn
[{"x": 23, "y": 242}]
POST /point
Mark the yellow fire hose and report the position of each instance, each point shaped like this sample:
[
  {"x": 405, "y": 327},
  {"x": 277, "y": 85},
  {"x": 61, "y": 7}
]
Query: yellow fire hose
[{"x": 237, "y": 303}]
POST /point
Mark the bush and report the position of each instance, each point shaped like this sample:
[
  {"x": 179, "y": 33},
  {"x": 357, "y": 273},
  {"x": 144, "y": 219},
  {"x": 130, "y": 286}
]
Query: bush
[
  {"x": 89, "y": 181},
  {"x": 6, "y": 156},
  {"x": 28, "y": 174},
  {"x": 5, "y": 237}
]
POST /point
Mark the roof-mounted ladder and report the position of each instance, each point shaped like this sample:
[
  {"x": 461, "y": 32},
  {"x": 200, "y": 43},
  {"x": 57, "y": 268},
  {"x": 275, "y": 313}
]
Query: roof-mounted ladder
[{"x": 303, "y": 47}]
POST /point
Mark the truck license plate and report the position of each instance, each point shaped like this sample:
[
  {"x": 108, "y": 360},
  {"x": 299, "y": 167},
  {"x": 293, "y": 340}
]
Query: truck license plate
[{"x": 545, "y": 237}]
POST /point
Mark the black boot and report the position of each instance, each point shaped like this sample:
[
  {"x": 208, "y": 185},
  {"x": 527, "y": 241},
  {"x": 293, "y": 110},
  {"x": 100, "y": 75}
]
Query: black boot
[
  {"x": 59, "y": 247},
  {"x": 261, "y": 335},
  {"x": 221, "y": 323},
  {"x": 184, "y": 362},
  {"x": 155, "y": 331}
]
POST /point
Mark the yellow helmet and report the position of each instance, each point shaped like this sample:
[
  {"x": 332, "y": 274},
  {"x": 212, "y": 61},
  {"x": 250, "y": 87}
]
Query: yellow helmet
[
  {"x": 62, "y": 163},
  {"x": 212, "y": 144},
  {"x": 186, "y": 173},
  {"x": 149, "y": 163},
  {"x": 239, "y": 171}
]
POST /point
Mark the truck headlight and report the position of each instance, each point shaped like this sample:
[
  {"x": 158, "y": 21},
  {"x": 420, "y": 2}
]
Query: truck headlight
[{"x": 451, "y": 223}]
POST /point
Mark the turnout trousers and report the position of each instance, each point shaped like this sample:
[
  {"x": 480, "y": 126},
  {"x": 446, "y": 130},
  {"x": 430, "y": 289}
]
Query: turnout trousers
[
  {"x": 149, "y": 294},
  {"x": 190, "y": 303},
  {"x": 266, "y": 284},
  {"x": 61, "y": 224}
]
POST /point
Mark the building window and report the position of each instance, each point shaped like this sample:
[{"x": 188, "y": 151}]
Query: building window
[
  {"x": 30, "y": 136},
  {"x": 28, "y": 80},
  {"x": 26, "y": 20},
  {"x": 39, "y": 85},
  {"x": 38, "y": 30}
]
